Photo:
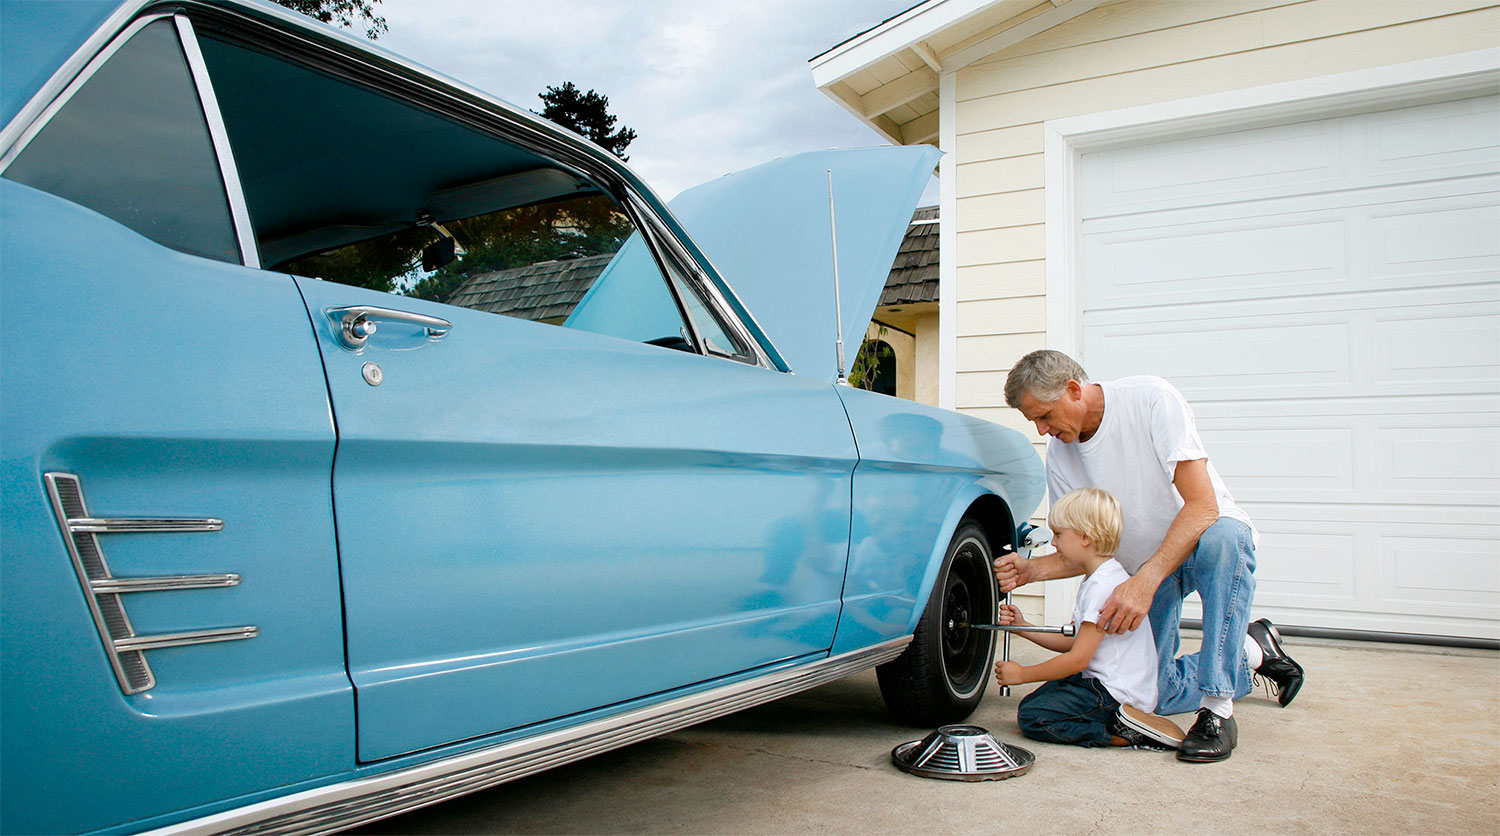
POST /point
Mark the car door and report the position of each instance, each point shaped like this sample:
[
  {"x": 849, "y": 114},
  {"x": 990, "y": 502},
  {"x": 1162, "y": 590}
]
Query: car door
[
  {"x": 535, "y": 521},
  {"x": 169, "y": 576},
  {"x": 536, "y": 517}
]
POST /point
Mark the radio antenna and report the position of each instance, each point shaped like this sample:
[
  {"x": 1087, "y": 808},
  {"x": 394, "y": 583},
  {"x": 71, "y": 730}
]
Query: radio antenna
[{"x": 838, "y": 308}]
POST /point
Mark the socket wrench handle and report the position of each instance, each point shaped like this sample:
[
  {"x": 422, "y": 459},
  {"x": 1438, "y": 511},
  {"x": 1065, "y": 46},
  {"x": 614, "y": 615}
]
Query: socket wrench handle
[{"x": 1066, "y": 629}]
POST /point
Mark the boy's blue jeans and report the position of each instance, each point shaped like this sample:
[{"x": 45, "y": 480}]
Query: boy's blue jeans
[
  {"x": 1221, "y": 570},
  {"x": 1069, "y": 710}
]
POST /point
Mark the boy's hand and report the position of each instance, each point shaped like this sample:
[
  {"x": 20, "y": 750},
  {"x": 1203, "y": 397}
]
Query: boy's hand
[
  {"x": 1011, "y": 614},
  {"x": 1009, "y": 673}
]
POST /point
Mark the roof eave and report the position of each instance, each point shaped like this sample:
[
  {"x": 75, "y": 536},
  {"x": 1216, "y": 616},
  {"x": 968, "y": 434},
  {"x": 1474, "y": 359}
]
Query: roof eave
[{"x": 900, "y": 32}]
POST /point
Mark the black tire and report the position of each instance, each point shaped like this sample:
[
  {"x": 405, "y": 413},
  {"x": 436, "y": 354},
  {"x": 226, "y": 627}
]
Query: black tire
[{"x": 943, "y": 673}]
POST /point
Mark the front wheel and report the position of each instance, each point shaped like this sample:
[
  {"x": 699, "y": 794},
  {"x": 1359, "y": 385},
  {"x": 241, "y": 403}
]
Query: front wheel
[{"x": 941, "y": 676}]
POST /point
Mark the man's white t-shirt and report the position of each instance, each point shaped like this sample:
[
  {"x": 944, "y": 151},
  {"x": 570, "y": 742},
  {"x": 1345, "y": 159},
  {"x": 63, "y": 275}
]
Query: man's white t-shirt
[
  {"x": 1125, "y": 662},
  {"x": 1146, "y": 430}
]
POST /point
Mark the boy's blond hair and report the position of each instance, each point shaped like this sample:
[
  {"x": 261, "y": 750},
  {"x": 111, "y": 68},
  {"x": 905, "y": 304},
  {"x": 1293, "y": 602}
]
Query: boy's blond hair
[{"x": 1092, "y": 513}]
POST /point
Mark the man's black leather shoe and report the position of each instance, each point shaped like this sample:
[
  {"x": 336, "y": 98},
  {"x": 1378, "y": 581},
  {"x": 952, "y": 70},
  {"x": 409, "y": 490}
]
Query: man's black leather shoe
[
  {"x": 1210, "y": 739},
  {"x": 1281, "y": 670}
]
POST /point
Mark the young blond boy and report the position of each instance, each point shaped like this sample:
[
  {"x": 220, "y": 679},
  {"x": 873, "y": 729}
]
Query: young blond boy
[{"x": 1101, "y": 690}]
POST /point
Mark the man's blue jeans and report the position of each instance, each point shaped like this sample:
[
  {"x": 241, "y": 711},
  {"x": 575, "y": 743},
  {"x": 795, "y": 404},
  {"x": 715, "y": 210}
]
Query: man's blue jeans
[
  {"x": 1221, "y": 570},
  {"x": 1074, "y": 710}
]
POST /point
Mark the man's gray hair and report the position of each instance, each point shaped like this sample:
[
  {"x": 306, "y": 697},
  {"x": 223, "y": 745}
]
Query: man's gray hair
[{"x": 1044, "y": 374}]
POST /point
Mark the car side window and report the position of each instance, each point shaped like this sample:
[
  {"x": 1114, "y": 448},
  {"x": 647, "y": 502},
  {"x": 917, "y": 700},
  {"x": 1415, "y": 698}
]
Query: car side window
[
  {"x": 132, "y": 143},
  {"x": 352, "y": 184}
]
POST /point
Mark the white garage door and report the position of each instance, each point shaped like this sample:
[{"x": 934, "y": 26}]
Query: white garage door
[{"x": 1327, "y": 296}]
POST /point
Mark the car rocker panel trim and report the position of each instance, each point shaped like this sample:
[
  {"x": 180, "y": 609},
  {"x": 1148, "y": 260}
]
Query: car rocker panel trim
[{"x": 345, "y": 805}]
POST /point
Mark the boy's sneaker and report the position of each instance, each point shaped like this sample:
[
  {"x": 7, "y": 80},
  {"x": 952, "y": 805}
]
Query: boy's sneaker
[
  {"x": 1140, "y": 727},
  {"x": 1280, "y": 670}
]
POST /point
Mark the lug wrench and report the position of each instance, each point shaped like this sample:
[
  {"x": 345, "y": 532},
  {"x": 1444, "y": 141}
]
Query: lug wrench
[
  {"x": 1032, "y": 538},
  {"x": 1066, "y": 629}
]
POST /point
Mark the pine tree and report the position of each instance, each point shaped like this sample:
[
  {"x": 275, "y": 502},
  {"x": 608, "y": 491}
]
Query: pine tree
[{"x": 585, "y": 113}]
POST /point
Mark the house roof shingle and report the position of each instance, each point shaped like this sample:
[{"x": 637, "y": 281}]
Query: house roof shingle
[
  {"x": 547, "y": 290},
  {"x": 914, "y": 275}
]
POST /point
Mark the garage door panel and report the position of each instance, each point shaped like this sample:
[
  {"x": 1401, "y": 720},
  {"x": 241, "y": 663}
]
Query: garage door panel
[
  {"x": 1460, "y": 463},
  {"x": 1240, "y": 165},
  {"x": 1446, "y": 235},
  {"x": 1445, "y": 575},
  {"x": 1446, "y": 139},
  {"x": 1394, "y": 576},
  {"x": 1447, "y": 459},
  {"x": 1441, "y": 140},
  {"x": 1247, "y": 359},
  {"x": 1437, "y": 342},
  {"x": 1389, "y": 345},
  {"x": 1283, "y": 461},
  {"x": 1437, "y": 241},
  {"x": 1202, "y": 262},
  {"x": 1310, "y": 568},
  {"x": 1320, "y": 412}
]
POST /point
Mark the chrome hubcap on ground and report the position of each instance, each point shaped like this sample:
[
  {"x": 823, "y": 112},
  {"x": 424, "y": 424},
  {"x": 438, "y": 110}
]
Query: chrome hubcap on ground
[{"x": 962, "y": 753}]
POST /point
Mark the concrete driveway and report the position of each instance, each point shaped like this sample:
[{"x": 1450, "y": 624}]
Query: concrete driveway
[{"x": 1382, "y": 739}]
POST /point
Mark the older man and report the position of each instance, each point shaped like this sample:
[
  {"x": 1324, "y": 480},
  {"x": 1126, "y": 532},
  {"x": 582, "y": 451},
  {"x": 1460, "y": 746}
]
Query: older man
[{"x": 1136, "y": 438}]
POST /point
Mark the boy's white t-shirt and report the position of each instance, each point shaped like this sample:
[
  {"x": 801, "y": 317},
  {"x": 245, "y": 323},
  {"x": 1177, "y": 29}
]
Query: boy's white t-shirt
[
  {"x": 1147, "y": 429},
  {"x": 1125, "y": 662}
]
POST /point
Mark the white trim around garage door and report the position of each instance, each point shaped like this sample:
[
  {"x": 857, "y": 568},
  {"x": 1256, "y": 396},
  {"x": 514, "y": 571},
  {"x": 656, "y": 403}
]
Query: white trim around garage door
[{"x": 1065, "y": 140}]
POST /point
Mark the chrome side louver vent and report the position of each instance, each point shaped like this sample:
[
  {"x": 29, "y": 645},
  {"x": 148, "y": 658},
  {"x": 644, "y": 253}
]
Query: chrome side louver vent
[{"x": 102, "y": 590}]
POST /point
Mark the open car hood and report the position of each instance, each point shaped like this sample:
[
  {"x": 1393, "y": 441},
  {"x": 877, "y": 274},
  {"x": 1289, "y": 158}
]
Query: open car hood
[{"x": 766, "y": 231}]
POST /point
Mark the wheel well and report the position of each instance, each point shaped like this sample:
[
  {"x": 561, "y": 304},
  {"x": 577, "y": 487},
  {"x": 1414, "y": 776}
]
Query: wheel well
[{"x": 993, "y": 514}]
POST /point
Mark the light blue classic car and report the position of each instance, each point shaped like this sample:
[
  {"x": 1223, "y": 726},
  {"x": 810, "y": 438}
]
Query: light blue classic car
[{"x": 310, "y": 519}]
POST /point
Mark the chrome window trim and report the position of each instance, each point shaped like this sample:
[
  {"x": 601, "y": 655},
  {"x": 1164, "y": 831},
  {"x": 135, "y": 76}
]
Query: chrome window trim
[
  {"x": 638, "y": 218},
  {"x": 692, "y": 273},
  {"x": 66, "y": 82},
  {"x": 363, "y": 800},
  {"x": 208, "y": 102}
]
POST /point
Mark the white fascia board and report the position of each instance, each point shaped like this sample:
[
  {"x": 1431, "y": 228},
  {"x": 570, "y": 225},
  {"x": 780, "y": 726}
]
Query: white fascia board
[
  {"x": 912, "y": 26},
  {"x": 1060, "y": 13}
]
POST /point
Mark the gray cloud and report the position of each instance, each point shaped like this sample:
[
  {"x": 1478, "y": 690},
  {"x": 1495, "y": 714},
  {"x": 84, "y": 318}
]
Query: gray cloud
[{"x": 710, "y": 86}]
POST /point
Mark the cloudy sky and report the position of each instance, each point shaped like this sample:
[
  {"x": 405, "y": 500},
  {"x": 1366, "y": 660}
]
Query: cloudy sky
[{"x": 710, "y": 86}]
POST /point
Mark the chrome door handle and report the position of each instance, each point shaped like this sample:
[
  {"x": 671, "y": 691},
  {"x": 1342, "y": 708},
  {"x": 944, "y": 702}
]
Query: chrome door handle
[{"x": 357, "y": 322}]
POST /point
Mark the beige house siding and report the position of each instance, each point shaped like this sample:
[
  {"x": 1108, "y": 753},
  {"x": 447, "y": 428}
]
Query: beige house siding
[
  {"x": 927, "y": 359},
  {"x": 1121, "y": 55}
]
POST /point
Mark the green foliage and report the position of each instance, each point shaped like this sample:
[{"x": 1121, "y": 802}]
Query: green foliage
[
  {"x": 866, "y": 366},
  {"x": 586, "y": 114},
  {"x": 342, "y": 12}
]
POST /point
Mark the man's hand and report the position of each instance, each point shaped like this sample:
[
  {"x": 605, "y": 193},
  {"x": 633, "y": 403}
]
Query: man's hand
[
  {"x": 1128, "y": 605},
  {"x": 1009, "y": 673},
  {"x": 1012, "y": 570}
]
